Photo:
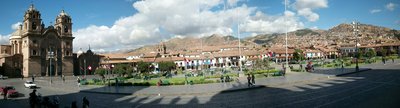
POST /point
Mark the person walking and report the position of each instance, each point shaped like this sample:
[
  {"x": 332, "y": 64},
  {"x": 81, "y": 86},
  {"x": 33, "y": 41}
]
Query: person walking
[
  {"x": 63, "y": 78},
  {"x": 85, "y": 102},
  {"x": 383, "y": 60},
  {"x": 5, "y": 91},
  {"x": 253, "y": 81},
  {"x": 301, "y": 67},
  {"x": 79, "y": 82},
  {"x": 33, "y": 99},
  {"x": 392, "y": 59},
  {"x": 248, "y": 80},
  {"x": 222, "y": 78},
  {"x": 73, "y": 105},
  {"x": 33, "y": 78}
]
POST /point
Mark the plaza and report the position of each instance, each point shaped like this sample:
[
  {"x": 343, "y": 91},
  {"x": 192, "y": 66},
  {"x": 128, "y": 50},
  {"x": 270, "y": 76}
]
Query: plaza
[{"x": 325, "y": 88}]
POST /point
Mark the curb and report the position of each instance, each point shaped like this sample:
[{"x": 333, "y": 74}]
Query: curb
[
  {"x": 223, "y": 91},
  {"x": 173, "y": 94},
  {"x": 353, "y": 72},
  {"x": 88, "y": 91}
]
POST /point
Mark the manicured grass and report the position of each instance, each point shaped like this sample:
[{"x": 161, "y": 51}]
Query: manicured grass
[{"x": 154, "y": 81}]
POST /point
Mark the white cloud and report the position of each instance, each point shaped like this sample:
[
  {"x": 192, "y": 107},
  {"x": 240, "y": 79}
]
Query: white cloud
[
  {"x": 375, "y": 11},
  {"x": 155, "y": 18},
  {"x": 15, "y": 26},
  {"x": 391, "y": 6},
  {"x": 4, "y": 39},
  {"x": 262, "y": 23},
  {"x": 158, "y": 20},
  {"x": 232, "y": 3},
  {"x": 314, "y": 28},
  {"x": 305, "y": 8}
]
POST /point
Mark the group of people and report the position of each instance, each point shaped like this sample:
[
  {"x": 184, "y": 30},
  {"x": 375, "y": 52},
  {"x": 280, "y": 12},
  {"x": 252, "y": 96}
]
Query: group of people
[
  {"x": 36, "y": 101},
  {"x": 384, "y": 60},
  {"x": 250, "y": 80},
  {"x": 225, "y": 79}
]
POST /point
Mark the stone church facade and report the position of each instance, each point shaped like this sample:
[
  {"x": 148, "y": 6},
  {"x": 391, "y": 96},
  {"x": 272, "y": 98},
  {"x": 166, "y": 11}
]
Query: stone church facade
[{"x": 39, "y": 50}]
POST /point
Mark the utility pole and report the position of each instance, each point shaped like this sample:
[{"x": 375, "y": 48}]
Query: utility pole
[{"x": 355, "y": 31}]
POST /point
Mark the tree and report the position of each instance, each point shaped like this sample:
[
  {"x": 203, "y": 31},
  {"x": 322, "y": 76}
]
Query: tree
[
  {"x": 261, "y": 64},
  {"x": 166, "y": 66},
  {"x": 144, "y": 67},
  {"x": 371, "y": 53},
  {"x": 120, "y": 69},
  {"x": 384, "y": 52},
  {"x": 298, "y": 55},
  {"x": 101, "y": 71}
]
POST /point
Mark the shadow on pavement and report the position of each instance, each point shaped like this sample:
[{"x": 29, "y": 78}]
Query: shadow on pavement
[{"x": 369, "y": 89}]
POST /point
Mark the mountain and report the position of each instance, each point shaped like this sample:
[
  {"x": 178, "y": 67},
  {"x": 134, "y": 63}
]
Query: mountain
[
  {"x": 340, "y": 34},
  {"x": 191, "y": 44}
]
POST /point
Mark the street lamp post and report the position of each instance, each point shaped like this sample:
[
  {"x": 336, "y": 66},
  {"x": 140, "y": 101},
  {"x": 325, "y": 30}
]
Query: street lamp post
[
  {"x": 51, "y": 56},
  {"x": 286, "y": 43},
  {"x": 355, "y": 31}
]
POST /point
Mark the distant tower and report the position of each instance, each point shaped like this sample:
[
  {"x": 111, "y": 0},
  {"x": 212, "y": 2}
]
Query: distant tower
[
  {"x": 64, "y": 24},
  {"x": 162, "y": 48},
  {"x": 32, "y": 21}
]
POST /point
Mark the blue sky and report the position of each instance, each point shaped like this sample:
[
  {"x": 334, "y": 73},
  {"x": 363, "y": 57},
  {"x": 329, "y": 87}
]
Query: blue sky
[{"x": 126, "y": 24}]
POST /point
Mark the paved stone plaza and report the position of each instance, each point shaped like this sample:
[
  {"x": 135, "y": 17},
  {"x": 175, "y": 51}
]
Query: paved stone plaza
[{"x": 371, "y": 88}]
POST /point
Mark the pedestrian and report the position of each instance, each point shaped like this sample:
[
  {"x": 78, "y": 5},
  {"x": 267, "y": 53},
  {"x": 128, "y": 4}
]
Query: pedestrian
[
  {"x": 222, "y": 78},
  {"x": 63, "y": 78},
  {"x": 392, "y": 59},
  {"x": 227, "y": 79},
  {"x": 248, "y": 80},
  {"x": 5, "y": 91},
  {"x": 73, "y": 104},
  {"x": 85, "y": 102},
  {"x": 33, "y": 78},
  {"x": 56, "y": 102},
  {"x": 159, "y": 82},
  {"x": 383, "y": 60},
  {"x": 116, "y": 81},
  {"x": 46, "y": 102},
  {"x": 33, "y": 98},
  {"x": 301, "y": 67},
  {"x": 79, "y": 82},
  {"x": 253, "y": 79}
]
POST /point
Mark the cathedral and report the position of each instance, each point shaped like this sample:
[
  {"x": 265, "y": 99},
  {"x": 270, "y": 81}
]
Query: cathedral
[{"x": 38, "y": 50}]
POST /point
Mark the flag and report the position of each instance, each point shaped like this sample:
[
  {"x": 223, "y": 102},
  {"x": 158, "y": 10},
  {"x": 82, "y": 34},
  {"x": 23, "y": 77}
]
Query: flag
[{"x": 89, "y": 68}]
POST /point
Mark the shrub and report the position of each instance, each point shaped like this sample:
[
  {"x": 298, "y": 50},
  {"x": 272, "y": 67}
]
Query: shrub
[
  {"x": 141, "y": 84},
  {"x": 122, "y": 84},
  {"x": 347, "y": 64},
  {"x": 296, "y": 70}
]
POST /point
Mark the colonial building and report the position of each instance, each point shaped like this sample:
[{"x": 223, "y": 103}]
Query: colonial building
[
  {"x": 44, "y": 50},
  {"x": 87, "y": 62}
]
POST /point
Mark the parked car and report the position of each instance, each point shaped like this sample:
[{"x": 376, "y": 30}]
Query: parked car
[
  {"x": 30, "y": 84},
  {"x": 3, "y": 77},
  {"x": 11, "y": 92}
]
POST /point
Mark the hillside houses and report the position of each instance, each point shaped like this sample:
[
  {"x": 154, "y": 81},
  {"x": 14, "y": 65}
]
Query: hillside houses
[{"x": 231, "y": 56}]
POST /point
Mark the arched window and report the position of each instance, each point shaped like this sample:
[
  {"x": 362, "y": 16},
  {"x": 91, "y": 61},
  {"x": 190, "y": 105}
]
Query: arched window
[
  {"x": 59, "y": 28},
  {"x": 33, "y": 25},
  {"x": 67, "y": 53},
  {"x": 34, "y": 52},
  {"x": 65, "y": 29}
]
